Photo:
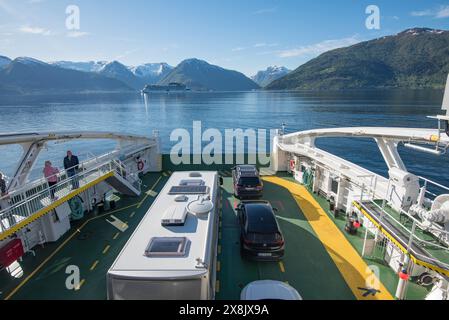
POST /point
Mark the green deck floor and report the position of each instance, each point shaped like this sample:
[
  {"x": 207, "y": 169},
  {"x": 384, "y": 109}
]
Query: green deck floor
[
  {"x": 387, "y": 276},
  {"x": 82, "y": 250},
  {"x": 306, "y": 266}
]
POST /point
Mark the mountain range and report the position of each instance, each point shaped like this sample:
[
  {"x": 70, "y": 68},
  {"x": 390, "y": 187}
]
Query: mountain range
[
  {"x": 134, "y": 77},
  {"x": 265, "y": 77},
  {"x": 194, "y": 73},
  {"x": 30, "y": 76},
  {"x": 413, "y": 59},
  {"x": 200, "y": 75}
]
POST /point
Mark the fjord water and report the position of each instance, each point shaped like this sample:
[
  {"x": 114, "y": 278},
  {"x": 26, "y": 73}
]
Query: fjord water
[{"x": 133, "y": 113}]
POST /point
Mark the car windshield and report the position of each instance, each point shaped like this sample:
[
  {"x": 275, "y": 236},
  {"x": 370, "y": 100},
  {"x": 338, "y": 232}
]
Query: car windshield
[{"x": 249, "y": 181}]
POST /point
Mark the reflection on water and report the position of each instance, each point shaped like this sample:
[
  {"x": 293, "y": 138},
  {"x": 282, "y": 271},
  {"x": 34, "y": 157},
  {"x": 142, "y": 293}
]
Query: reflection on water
[{"x": 141, "y": 114}]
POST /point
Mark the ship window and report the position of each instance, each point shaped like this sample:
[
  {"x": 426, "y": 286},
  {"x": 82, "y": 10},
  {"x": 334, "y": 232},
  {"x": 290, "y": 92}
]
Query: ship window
[
  {"x": 334, "y": 186},
  {"x": 166, "y": 247}
]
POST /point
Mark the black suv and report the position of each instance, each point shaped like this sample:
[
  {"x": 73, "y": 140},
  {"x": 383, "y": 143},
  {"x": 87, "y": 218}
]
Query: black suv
[
  {"x": 261, "y": 237},
  {"x": 247, "y": 182}
]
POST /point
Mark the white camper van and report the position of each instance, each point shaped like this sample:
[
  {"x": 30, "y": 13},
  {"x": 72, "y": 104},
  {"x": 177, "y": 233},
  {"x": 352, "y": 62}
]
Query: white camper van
[{"x": 172, "y": 253}]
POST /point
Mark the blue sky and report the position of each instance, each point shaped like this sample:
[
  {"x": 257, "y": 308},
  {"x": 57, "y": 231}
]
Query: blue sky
[{"x": 245, "y": 35}]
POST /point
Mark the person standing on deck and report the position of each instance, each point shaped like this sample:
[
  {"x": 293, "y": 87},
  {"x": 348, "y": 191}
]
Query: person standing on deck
[
  {"x": 71, "y": 165},
  {"x": 51, "y": 174},
  {"x": 3, "y": 193}
]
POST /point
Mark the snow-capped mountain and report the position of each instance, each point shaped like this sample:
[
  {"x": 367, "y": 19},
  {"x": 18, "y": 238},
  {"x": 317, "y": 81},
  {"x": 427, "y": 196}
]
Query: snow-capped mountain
[
  {"x": 200, "y": 75},
  {"x": 119, "y": 71},
  {"x": 265, "y": 77},
  {"x": 26, "y": 75},
  {"x": 136, "y": 76},
  {"x": 151, "y": 72},
  {"x": 29, "y": 61},
  {"x": 90, "y": 66},
  {"x": 4, "y": 61}
]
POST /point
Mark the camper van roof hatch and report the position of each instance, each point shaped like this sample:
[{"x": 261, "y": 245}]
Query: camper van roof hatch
[
  {"x": 192, "y": 182},
  {"x": 188, "y": 190},
  {"x": 174, "y": 216},
  {"x": 166, "y": 247},
  {"x": 195, "y": 175}
]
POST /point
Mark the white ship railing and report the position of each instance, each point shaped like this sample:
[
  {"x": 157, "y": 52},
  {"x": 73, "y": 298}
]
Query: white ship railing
[
  {"x": 30, "y": 205},
  {"x": 410, "y": 232}
]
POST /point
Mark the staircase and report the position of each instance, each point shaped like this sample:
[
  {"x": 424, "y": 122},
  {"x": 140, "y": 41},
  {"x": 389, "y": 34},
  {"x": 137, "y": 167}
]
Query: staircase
[{"x": 31, "y": 204}]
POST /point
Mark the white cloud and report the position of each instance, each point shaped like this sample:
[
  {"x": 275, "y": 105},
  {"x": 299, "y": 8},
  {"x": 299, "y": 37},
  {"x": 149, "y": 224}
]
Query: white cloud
[
  {"x": 440, "y": 13},
  {"x": 423, "y": 13},
  {"x": 266, "y": 10},
  {"x": 318, "y": 48},
  {"x": 263, "y": 44},
  {"x": 35, "y": 30},
  {"x": 443, "y": 12},
  {"x": 238, "y": 49},
  {"x": 77, "y": 34}
]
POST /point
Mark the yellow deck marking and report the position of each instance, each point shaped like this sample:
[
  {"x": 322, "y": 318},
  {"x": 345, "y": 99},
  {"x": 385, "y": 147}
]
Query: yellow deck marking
[
  {"x": 106, "y": 249},
  {"x": 351, "y": 266},
  {"x": 80, "y": 285},
  {"x": 116, "y": 236},
  {"x": 281, "y": 266},
  {"x": 52, "y": 206},
  {"x": 147, "y": 193},
  {"x": 218, "y": 266},
  {"x": 399, "y": 245},
  {"x": 62, "y": 245},
  {"x": 94, "y": 265},
  {"x": 217, "y": 286}
]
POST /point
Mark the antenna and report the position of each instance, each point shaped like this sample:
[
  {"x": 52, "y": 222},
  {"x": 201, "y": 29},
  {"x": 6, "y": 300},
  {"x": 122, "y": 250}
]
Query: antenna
[{"x": 446, "y": 97}]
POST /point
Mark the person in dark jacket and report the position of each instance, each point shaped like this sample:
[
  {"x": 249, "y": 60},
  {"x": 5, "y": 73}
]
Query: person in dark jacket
[
  {"x": 71, "y": 165},
  {"x": 3, "y": 193}
]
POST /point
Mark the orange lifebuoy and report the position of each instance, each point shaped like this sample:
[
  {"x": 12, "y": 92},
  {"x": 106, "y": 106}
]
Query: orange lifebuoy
[{"x": 140, "y": 165}]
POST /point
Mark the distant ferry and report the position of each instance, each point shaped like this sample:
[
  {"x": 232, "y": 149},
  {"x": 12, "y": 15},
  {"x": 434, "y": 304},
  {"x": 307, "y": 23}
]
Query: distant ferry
[{"x": 172, "y": 87}]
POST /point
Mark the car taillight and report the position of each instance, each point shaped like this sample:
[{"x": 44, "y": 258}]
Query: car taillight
[{"x": 259, "y": 188}]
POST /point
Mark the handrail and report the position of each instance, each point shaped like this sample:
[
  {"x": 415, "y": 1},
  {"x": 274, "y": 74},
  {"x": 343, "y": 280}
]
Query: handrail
[
  {"x": 56, "y": 186},
  {"x": 429, "y": 257},
  {"x": 43, "y": 180},
  {"x": 38, "y": 204},
  {"x": 31, "y": 205}
]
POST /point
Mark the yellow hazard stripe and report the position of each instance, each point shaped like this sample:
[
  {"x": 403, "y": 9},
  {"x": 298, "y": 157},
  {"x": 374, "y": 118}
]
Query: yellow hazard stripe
[
  {"x": 399, "y": 245},
  {"x": 352, "y": 267},
  {"x": 53, "y": 206}
]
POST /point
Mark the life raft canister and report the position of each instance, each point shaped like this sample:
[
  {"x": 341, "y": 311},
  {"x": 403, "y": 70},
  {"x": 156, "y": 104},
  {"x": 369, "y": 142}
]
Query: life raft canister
[{"x": 292, "y": 165}]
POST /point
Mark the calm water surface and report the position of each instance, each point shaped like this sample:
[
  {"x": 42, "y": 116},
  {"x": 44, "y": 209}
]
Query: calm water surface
[{"x": 300, "y": 111}]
